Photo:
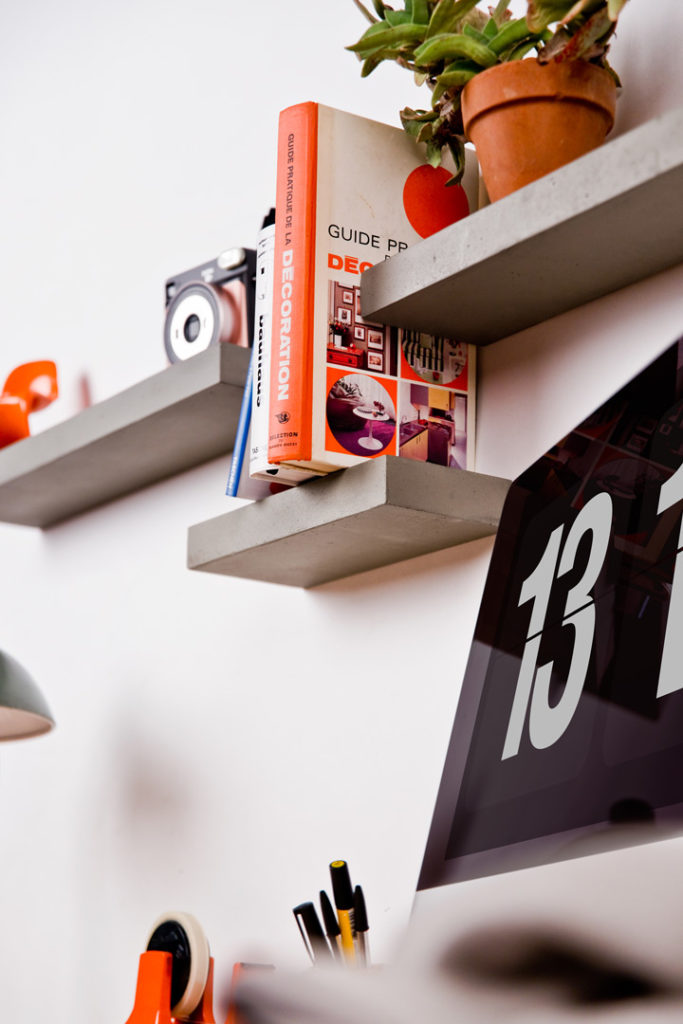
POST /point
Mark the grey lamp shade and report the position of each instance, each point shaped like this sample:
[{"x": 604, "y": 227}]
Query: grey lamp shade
[{"x": 23, "y": 710}]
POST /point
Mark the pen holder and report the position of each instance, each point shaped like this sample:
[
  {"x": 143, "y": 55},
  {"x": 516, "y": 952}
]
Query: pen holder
[
  {"x": 238, "y": 972},
  {"x": 153, "y": 993}
]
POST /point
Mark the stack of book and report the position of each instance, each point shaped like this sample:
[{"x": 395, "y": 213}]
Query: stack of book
[{"x": 332, "y": 388}]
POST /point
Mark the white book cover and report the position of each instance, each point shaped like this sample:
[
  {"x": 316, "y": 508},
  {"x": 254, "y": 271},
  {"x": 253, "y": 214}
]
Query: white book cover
[{"x": 344, "y": 387}]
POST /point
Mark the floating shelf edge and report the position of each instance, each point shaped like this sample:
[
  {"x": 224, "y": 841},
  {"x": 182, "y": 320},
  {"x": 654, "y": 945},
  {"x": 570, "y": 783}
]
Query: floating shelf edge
[
  {"x": 605, "y": 221},
  {"x": 384, "y": 511},
  {"x": 170, "y": 422}
]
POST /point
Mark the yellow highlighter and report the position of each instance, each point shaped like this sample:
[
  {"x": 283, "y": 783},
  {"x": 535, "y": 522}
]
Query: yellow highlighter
[{"x": 343, "y": 901}]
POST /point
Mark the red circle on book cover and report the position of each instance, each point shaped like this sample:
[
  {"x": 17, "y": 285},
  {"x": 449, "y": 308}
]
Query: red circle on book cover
[{"x": 429, "y": 204}]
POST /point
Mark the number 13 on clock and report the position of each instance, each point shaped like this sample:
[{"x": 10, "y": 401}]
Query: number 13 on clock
[{"x": 548, "y": 722}]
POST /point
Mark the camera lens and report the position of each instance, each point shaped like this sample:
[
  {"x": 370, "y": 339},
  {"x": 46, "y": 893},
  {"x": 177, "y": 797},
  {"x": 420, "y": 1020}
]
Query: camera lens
[
  {"x": 192, "y": 327},
  {"x": 195, "y": 319}
]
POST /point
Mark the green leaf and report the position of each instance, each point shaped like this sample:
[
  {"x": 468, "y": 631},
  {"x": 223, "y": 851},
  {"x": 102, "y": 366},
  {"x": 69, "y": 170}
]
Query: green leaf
[
  {"x": 447, "y": 16},
  {"x": 376, "y": 58},
  {"x": 463, "y": 65},
  {"x": 448, "y": 80},
  {"x": 452, "y": 79},
  {"x": 379, "y": 7},
  {"x": 366, "y": 41},
  {"x": 614, "y": 8},
  {"x": 378, "y": 36},
  {"x": 412, "y": 128},
  {"x": 420, "y": 12},
  {"x": 414, "y": 121},
  {"x": 408, "y": 114},
  {"x": 541, "y": 13},
  {"x": 519, "y": 52},
  {"x": 582, "y": 9},
  {"x": 456, "y": 147},
  {"x": 500, "y": 11},
  {"x": 491, "y": 28},
  {"x": 448, "y": 46},
  {"x": 425, "y": 132},
  {"x": 397, "y": 18},
  {"x": 470, "y": 31},
  {"x": 511, "y": 35},
  {"x": 434, "y": 153}
]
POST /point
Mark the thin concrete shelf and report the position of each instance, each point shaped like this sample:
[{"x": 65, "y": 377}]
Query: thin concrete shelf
[
  {"x": 599, "y": 224},
  {"x": 376, "y": 514},
  {"x": 177, "y": 419}
]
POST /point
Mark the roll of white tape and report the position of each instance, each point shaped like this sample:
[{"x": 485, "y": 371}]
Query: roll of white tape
[{"x": 181, "y": 935}]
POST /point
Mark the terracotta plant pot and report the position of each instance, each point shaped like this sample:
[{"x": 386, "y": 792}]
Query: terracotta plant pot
[{"x": 527, "y": 119}]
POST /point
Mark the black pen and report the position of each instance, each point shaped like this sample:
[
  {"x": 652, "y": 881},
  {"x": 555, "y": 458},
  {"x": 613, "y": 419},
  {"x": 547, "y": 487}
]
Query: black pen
[
  {"x": 331, "y": 924},
  {"x": 360, "y": 920},
  {"x": 312, "y": 932}
]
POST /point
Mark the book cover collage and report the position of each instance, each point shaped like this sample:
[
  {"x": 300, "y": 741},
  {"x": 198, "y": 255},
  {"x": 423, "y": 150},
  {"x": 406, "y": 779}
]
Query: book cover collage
[{"x": 393, "y": 391}]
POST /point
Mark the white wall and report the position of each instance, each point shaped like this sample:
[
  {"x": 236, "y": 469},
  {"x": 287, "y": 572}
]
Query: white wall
[{"x": 220, "y": 741}]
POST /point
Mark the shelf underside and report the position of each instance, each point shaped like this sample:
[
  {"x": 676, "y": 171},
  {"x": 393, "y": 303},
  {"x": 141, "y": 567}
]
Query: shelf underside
[
  {"x": 381, "y": 512},
  {"x": 601, "y": 223}
]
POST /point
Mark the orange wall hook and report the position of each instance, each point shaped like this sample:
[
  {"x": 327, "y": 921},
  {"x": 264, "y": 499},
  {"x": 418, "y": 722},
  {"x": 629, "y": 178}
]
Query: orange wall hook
[
  {"x": 28, "y": 388},
  {"x": 13, "y": 420},
  {"x": 35, "y": 382}
]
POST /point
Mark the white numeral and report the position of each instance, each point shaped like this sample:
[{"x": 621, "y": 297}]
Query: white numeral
[
  {"x": 547, "y": 723},
  {"x": 671, "y": 667}
]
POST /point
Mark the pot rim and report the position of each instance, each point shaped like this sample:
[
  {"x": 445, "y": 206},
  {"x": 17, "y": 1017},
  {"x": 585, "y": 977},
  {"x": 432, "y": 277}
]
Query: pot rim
[{"x": 528, "y": 80}]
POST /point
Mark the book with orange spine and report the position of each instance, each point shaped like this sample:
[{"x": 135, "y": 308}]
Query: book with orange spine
[{"x": 350, "y": 193}]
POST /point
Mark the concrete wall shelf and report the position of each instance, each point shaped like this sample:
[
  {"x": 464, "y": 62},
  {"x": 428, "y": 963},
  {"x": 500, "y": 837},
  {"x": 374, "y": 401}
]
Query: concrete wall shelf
[
  {"x": 599, "y": 224},
  {"x": 375, "y": 514},
  {"x": 177, "y": 419}
]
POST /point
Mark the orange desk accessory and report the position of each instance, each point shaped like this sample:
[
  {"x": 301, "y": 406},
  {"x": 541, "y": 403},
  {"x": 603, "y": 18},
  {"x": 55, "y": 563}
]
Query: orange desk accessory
[
  {"x": 238, "y": 972},
  {"x": 29, "y": 387},
  {"x": 175, "y": 975}
]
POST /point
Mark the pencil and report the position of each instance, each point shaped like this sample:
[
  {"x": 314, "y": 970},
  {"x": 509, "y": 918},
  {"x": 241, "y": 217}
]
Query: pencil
[{"x": 242, "y": 433}]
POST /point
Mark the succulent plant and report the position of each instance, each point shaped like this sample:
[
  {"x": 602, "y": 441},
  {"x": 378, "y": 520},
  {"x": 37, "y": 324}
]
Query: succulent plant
[{"x": 445, "y": 43}]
